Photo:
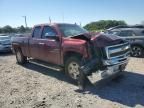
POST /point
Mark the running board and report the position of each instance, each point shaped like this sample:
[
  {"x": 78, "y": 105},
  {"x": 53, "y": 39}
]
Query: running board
[{"x": 46, "y": 65}]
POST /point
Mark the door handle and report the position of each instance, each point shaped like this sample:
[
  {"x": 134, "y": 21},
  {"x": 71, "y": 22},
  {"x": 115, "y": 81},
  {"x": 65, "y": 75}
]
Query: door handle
[{"x": 41, "y": 43}]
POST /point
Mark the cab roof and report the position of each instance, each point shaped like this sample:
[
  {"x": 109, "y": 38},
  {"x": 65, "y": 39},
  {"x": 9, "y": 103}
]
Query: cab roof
[{"x": 51, "y": 24}]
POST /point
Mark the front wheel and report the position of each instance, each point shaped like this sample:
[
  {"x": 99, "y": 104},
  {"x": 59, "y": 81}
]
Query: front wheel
[{"x": 72, "y": 66}]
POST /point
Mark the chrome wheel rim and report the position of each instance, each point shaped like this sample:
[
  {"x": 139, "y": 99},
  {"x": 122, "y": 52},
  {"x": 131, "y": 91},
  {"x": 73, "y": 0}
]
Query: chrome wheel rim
[
  {"x": 73, "y": 69},
  {"x": 136, "y": 51}
]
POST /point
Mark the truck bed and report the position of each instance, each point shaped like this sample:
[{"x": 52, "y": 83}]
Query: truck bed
[{"x": 22, "y": 41}]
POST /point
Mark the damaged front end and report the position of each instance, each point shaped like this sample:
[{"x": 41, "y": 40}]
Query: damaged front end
[{"x": 111, "y": 61}]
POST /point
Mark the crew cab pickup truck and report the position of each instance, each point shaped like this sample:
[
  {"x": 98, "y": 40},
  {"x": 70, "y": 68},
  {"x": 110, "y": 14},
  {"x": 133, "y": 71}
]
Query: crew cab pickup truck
[{"x": 70, "y": 47}]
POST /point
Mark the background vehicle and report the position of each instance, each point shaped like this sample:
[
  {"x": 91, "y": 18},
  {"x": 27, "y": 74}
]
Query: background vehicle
[
  {"x": 70, "y": 46},
  {"x": 5, "y": 43},
  {"x": 134, "y": 34}
]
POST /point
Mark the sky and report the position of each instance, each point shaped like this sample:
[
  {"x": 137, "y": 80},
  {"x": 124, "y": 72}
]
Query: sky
[{"x": 69, "y": 11}]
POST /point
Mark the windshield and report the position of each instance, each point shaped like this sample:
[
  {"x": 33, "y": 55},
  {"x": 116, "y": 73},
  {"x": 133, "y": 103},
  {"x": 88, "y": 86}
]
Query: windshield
[
  {"x": 71, "y": 30},
  {"x": 4, "y": 38}
]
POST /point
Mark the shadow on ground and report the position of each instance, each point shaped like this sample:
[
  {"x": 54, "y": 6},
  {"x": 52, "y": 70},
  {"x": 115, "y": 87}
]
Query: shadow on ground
[
  {"x": 46, "y": 71},
  {"x": 127, "y": 90}
]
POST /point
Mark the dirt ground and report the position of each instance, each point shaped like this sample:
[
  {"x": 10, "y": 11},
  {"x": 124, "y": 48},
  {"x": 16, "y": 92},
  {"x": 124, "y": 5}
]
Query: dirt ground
[{"x": 34, "y": 86}]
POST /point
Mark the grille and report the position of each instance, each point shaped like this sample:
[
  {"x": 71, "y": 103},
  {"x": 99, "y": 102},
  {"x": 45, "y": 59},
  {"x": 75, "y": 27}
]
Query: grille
[{"x": 117, "y": 50}]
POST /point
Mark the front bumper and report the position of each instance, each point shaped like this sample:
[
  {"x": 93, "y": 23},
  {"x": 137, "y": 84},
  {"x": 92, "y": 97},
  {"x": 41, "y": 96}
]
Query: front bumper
[
  {"x": 108, "y": 72},
  {"x": 109, "y": 68},
  {"x": 122, "y": 59}
]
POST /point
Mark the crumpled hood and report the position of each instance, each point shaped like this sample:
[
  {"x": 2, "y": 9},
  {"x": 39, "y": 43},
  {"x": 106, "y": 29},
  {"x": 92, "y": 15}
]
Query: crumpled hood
[{"x": 102, "y": 40}]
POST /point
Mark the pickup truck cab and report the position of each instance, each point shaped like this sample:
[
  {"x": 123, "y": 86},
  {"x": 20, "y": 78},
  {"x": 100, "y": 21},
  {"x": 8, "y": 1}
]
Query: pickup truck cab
[{"x": 70, "y": 46}]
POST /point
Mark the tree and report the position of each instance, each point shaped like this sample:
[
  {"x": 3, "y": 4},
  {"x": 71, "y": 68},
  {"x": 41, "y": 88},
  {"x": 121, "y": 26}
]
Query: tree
[
  {"x": 103, "y": 24},
  {"x": 21, "y": 29},
  {"x": 8, "y": 29},
  {"x": 28, "y": 29}
]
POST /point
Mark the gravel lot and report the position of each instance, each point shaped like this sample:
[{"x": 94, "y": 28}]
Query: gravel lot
[{"x": 34, "y": 86}]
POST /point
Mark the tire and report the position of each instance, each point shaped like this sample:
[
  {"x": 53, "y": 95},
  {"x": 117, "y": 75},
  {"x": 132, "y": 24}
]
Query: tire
[
  {"x": 137, "y": 51},
  {"x": 121, "y": 73},
  {"x": 21, "y": 59},
  {"x": 72, "y": 65}
]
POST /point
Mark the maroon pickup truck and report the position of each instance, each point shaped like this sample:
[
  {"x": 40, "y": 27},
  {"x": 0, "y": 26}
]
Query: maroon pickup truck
[{"x": 70, "y": 46}]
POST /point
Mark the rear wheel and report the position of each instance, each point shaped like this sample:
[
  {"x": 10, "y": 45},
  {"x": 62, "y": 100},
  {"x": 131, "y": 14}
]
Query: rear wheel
[
  {"x": 21, "y": 59},
  {"x": 137, "y": 51}
]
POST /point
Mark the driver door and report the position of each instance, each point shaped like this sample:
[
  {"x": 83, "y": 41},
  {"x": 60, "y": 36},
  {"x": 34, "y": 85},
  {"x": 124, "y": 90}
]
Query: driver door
[{"x": 50, "y": 46}]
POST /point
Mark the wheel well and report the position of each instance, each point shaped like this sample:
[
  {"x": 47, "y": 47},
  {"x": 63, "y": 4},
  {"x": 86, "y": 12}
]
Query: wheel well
[
  {"x": 70, "y": 54},
  {"x": 17, "y": 48}
]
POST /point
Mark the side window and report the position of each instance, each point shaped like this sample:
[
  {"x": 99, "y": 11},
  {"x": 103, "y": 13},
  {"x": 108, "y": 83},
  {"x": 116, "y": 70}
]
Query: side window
[
  {"x": 48, "y": 31},
  {"x": 127, "y": 33},
  {"x": 36, "y": 33}
]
